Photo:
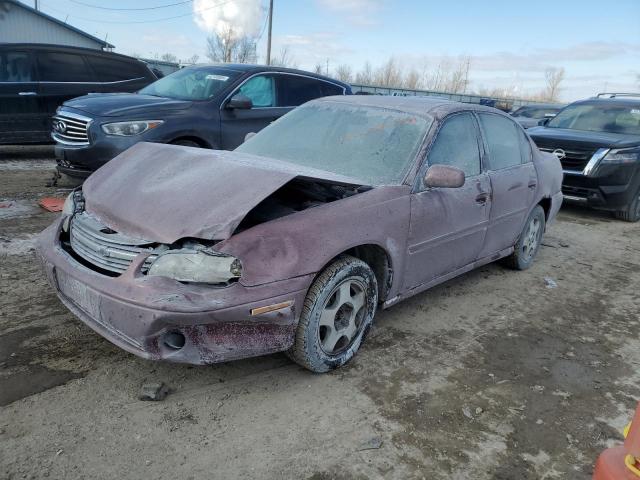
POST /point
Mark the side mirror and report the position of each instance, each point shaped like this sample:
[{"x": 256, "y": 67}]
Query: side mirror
[
  {"x": 543, "y": 122},
  {"x": 249, "y": 135},
  {"x": 444, "y": 176},
  {"x": 240, "y": 102}
]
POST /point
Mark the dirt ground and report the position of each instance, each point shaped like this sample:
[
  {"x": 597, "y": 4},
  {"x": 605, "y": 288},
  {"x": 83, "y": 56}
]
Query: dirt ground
[{"x": 493, "y": 375}]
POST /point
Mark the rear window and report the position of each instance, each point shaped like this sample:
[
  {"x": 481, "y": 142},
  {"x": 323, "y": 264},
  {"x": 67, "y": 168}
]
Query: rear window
[
  {"x": 63, "y": 67},
  {"x": 114, "y": 70},
  {"x": 16, "y": 67},
  {"x": 609, "y": 117}
]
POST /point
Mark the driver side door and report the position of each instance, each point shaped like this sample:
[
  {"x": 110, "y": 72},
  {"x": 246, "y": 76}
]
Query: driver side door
[
  {"x": 236, "y": 123},
  {"x": 448, "y": 225}
]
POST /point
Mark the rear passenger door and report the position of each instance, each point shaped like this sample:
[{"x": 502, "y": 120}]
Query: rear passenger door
[
  {"x": 63, "y": 76},
  {"x": 21, "y": 119},
  {"x": 513, "y": 180}
]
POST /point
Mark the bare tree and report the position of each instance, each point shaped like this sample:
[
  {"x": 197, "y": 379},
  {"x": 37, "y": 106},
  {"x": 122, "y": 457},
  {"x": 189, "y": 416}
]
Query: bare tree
[
  {"x": 412, "y": 80},
  {"x": 226, "y": 47},
  {"x": 448, "y": 76},
  {"x": 284, "y": 59},
  {"x": 192, "y": 60},
  {"x": 365, "y": 76},
  {"x": 553, "y": 78},
  {"x": 319, "y": 68},
  {"x": 389, "y": 74},
  {"x": 169, "y": 57},
  {"x": 344, "y": 73}
]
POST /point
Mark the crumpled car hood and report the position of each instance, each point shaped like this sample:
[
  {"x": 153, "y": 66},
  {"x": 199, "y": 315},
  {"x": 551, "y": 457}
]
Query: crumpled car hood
[{"x": 163, "y": 193}]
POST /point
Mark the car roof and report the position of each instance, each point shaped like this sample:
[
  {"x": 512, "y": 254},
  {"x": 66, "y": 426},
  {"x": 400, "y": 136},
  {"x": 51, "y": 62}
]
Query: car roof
[
  {"x": 63, "y": 48},
  {"x": 253, "y": 68},
  {"x": 625, "y": 101},
  {"x": 434, "y": 106},
  {"x": 542, "y": 105}
]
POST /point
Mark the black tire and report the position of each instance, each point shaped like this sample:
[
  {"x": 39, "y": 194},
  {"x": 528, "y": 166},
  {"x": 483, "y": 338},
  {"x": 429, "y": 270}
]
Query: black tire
[
  {"x": 632, "y": 212},
  {"x": 312, "y": 337},
  {"x": 186, "y": 143},
  {"x": 525, "y": 252}
]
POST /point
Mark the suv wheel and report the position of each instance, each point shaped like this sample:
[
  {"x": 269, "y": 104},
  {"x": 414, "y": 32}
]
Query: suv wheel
[
  {"x": 632, "y": 212},
  {"x": 336, "y": 315}
]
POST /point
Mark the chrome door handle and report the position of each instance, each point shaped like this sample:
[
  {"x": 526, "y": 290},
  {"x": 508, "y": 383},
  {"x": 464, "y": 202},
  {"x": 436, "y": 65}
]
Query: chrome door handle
[{"x": 24, "y": 94}]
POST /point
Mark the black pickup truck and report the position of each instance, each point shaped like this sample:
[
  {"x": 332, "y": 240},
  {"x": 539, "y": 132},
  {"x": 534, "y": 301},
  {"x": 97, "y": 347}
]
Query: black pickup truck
[{"x": 598, "y": 143}]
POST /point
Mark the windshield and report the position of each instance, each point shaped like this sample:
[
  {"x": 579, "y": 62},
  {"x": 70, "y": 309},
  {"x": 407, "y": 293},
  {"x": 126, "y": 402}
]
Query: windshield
[
  {"x": 191, "y": 83},
  {"x": 372, "y": 144},
  {"x": 537, "y": 113},
  {"x": 609, "y": 118}
]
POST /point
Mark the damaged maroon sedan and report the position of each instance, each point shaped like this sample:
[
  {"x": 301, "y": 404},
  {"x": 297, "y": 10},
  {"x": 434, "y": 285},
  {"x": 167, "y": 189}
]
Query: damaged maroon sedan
[{"x": 292, "y": 241}]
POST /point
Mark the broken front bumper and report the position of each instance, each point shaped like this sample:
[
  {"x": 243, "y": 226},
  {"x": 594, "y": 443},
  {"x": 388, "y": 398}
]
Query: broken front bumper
[{"x": 138, "y": 312}]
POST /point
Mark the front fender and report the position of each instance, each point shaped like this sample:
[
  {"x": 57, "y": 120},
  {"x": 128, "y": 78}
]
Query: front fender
[{"x": 305, "y": 242}]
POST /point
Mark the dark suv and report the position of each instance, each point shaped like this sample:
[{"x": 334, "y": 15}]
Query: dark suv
[
  {"x": 35, "y": 79},
  {"x": 598, "y": 144},
  {"x": 212, "y": 106}
]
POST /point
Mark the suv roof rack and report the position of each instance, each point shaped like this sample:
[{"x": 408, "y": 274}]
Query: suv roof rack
[{"x": 617, "y": 94}]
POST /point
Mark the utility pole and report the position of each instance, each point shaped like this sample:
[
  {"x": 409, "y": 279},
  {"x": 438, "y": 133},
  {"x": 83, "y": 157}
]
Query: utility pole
[
  {"x": 36, "y": 4},
  {"x": 269, "y": 36}
]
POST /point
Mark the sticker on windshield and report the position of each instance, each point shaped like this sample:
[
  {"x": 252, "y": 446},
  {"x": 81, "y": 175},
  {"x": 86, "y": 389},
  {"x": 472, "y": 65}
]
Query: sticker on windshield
[
  {"x": 635, "y": 111},
  {"x": 220, "y": 78}
]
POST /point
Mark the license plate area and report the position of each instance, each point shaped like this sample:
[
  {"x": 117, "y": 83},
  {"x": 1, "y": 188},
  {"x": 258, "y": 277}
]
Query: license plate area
[{"x": 81, "y": 295}]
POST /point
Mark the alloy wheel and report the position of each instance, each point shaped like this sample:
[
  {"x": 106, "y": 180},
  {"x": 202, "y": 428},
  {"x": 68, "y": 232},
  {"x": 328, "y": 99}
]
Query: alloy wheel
[{"x": 342, "y": 316}]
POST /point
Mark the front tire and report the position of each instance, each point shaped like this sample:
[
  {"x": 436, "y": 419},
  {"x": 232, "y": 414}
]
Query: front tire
[
  {"x": 632, "y": 212},
  {"x": 336, "y": 316},
  {"x": 526, "y": 249}
]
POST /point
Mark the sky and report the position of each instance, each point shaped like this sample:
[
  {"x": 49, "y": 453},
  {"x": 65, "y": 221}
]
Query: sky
[{"x": 510, "y": 43}]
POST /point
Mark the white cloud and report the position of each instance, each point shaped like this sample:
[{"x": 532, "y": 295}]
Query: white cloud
[{"x": 243, "y": 17}]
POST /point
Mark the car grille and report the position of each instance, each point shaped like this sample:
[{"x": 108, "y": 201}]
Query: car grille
[
  {"x": 575, "y": 159},
  {"x": 70, "y": 128},
  {"x": 104, "y": 248}
]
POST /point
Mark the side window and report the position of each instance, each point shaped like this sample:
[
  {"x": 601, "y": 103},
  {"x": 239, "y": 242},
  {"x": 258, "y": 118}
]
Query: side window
[
  {"x": 457, "y": 145},
  {"x": 294, "y": 90},
  {"x": 329, "y": 89},
  {"x": 260, "y": 89},
  {"x": 63, "y": 67},
  {"x": 525, "y": 147},
  {"x": 113, "y": 70},
  {"x": 503, "y": 139},
  {"x": 15, "y": 67}
]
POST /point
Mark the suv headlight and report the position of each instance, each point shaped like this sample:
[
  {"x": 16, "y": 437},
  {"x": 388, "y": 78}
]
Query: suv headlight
[
  {"x": 128, "y": 129},
  {"x": 623, "y": 155},
  {"x": 197, "y": 266}
]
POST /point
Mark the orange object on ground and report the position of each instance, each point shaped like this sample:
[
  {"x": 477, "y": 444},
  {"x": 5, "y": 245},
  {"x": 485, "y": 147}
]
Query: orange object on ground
[
  {"x": 623, "y": 462},
  {"x": 52, "y": 204}
]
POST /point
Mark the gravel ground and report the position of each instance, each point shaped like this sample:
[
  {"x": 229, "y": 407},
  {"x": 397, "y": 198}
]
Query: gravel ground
[{"x": 493, "y": 375}]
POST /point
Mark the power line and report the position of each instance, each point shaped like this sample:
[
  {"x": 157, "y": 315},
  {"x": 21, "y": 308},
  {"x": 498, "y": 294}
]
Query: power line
[
  {"x": 141, "y": 21},
  {"x": 131, "y": 9}
]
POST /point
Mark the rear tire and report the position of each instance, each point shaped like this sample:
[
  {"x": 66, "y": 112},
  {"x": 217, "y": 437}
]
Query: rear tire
[
  {"x": 336, "y": 316},
  {"x": 528, "y": 244},
  {"x": 632, "y": 212}
]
